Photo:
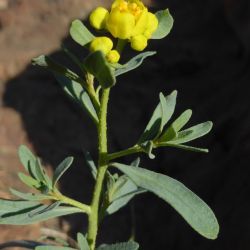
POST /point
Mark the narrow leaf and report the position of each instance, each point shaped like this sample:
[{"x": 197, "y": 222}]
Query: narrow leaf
[
  {"x": 82, "y": 242},
  {"x": 48, "y": 63},
  {"x": 61, "y": 169},
  {"x": 195, "y": 211},
  {"x": 185, "y": 147},
  {"x": 76, "y": 91},
  {"x": 80, "y": 33},
  {"x": 25, "y": 214},
  {"x": 30, "y": 196},
  {"x": 160, "y": 117},
  {"x": 192, "y": 133},
  {"x": 130, "y": 245},
  {"x": 53, "y": 248},
  {"x": 134, "y": 63},
  {"x": 97, "y": 65},
  {"x": 176, "y": 126},
  {"x": 166, "y": 22},
  {"x": 29, "y": 181},
  {"x": 91, "y": 164}
]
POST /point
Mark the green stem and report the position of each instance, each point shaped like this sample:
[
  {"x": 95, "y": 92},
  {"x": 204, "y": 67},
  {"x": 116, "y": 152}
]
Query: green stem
[
  {"x": 120, "y": 45},
  {"x": 103, "y": 165},
  {"x": 133, "y": 150},
  {"x": 85, "y": 208}
]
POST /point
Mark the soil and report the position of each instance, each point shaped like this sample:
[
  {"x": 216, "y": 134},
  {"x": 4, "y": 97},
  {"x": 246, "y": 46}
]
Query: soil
[{"x": 206, "y": 58}]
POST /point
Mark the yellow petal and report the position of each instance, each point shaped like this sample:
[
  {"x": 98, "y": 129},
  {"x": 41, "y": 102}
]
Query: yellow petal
[
  {"x": 103, "y": 44},
  {"x": 139, "y": 42},
  {"x": 152, "y": 25},
  {"x": 98, "y": 17},
  {"x": 141, "y": 23},
  {"x": 120, "y": 24}
]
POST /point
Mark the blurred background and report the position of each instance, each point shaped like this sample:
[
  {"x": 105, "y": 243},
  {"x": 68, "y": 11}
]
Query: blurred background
[{"x": 206, "y": 58}]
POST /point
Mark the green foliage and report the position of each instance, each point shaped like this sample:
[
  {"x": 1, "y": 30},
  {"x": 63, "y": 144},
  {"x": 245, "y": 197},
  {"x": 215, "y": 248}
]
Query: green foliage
[
  {"x": 53, "y": 248},
  {"x": 97, "y": 65},
  {"x": 80, "y": 33},
  {"x": 61, "y": 169},
  {"x": 82, "y": 242},
  {"x": 130, "y": 245},
  {"x": 166, "y": 22},
  {"x": 195, "y": 211},
  {"x": 133, "y": 63},
  {"x": 76, "y": 91},
  {"x": 29, "y": 212},
  {"x": 156, "y": 135}
]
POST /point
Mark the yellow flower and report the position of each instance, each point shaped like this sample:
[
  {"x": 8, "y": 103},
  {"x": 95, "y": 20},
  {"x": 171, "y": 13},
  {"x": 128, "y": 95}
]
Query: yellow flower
[
  {"x": 103, "y": 44},
  {"x": 113, "y": 56},
  {"x": 139, "y": 42},
  {"x": 128, "y": 20},
  {"x": 97, "y": 18}
]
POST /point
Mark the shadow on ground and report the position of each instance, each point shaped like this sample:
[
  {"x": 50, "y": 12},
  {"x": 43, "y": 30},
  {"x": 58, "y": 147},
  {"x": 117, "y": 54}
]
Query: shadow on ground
[{"x": 206, "y": 58}]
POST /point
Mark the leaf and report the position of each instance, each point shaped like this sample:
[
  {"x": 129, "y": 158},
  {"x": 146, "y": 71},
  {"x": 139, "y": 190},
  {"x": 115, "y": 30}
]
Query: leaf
[
  {"x": 28, "y": 160},
  {"x": 134, "y": 63},
  {"x": 73, "y": 58},
  {"x": 123, "y": 201},
  {"x": 130, "y": 245},
  {"x": 49, "y": 64},
  {"x": 82, "y": 242},
  {"x": 96, "y": 64},
  {"x": 29, "y": 196},
  {"x": 160, "y": 117},
  {"x": 136, "y": 162},
  {"x": 9, "y": 206},
  {"x": 80, "y": 33},
  {"x": 29, "y": 181},
  {"x": 32, "y": 212},
  {"x": 195, "y": 211},
  {"x": 78, "y": 94},
  {"x": 185, "y": 147},
  {"x": 61, "y": 169},
  {"x": 176, "y": 126},
  {"x": 53, "y": 248},
  {"x": 91, "y": 164},
  {"x": 192, "y": 133},
  {"x": 166, "y": 22},
  {"x": 45, "y": 209},
  {"x": 27, "y": 244},
  {"x": 121, "y": 192}
]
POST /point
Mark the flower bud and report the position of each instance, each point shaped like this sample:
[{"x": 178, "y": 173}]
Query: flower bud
[
  {"x": 113, "y": 56},
  {"x": 139, "y": 42},
  {"x": 98, "y": 17},
  {"x": 103, "y": 44}
]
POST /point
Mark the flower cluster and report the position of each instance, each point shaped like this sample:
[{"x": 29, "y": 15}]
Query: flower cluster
[{"x": 127, "y": 20}]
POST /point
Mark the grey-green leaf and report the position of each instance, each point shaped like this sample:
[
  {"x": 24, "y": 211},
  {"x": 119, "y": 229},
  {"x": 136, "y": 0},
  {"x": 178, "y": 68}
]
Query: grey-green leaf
[
  {"x": 29, "y": 196},
  {"x": 185, "y": 147},
  {"x": 61, "y": 169},
  {"x": 76, "y": 91},
  {"x": 166, "y": 22},
  {"x": 97, "y": 65},
  {"x": 176, "y": 126},
  {"x": 82, "y": 242},
  {"x": 192, "y": 133},
  {"x": 80, "y": 33},
  {"x": 160, "y": 117},
  {"x": 48, "y": 63},
  {"x": 91, "y": 164},
  {"x": 130, "y": 245},
  {"x": 29, "y": 181},
  {"x": 32, "y": 213},
  {"x": 195, "y": 211},
  {"x": 134, "y": 63},
  {"x": 53, "y": 248}
]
